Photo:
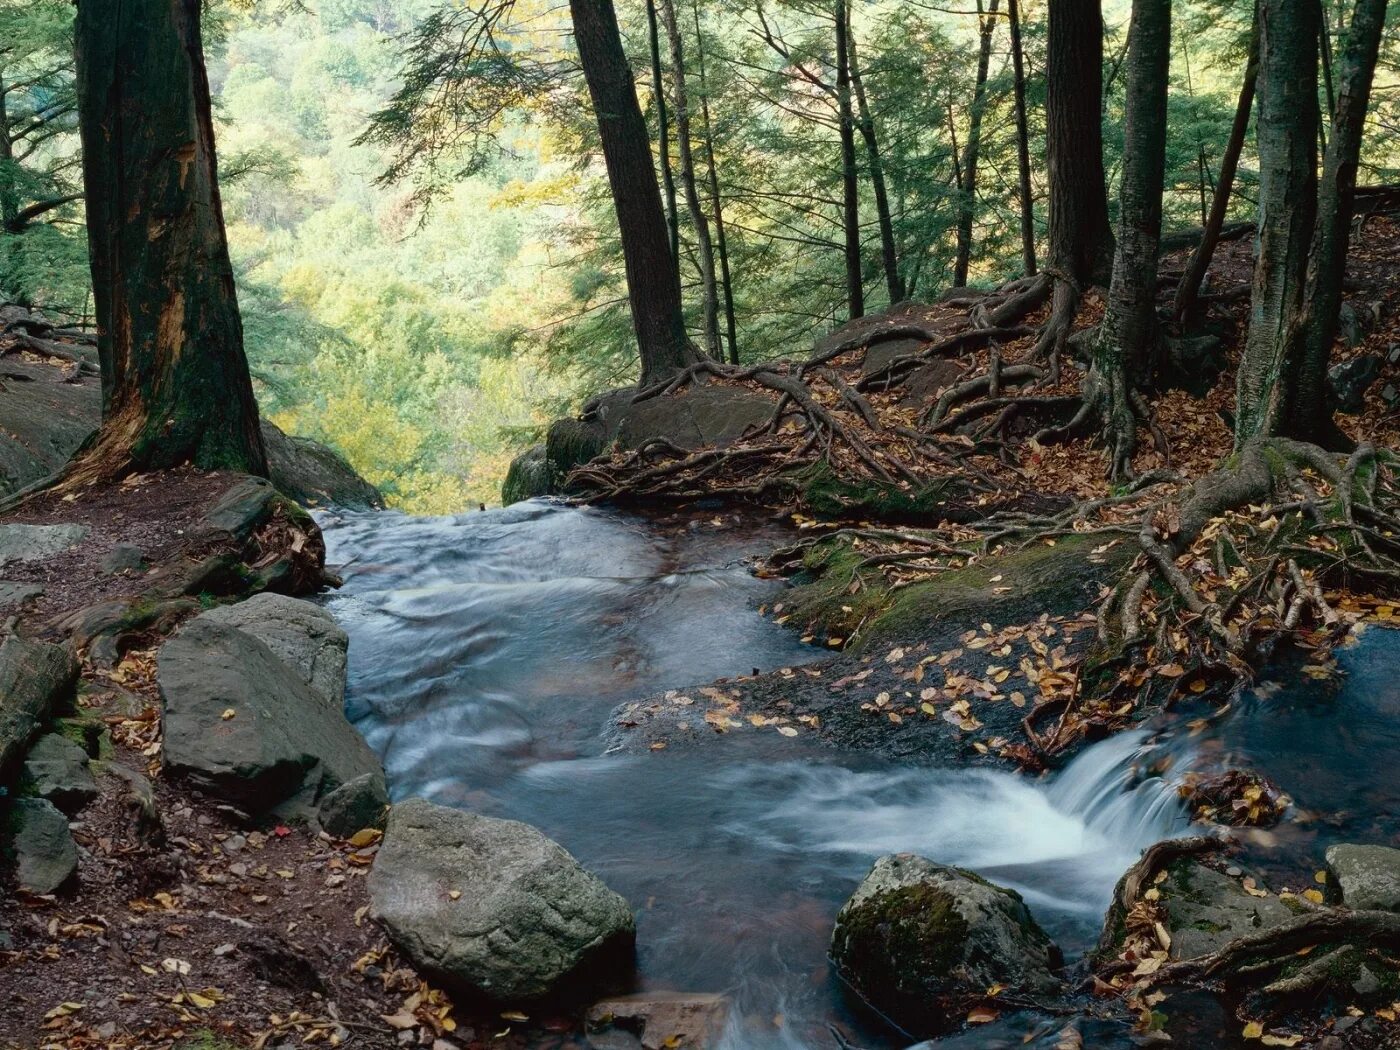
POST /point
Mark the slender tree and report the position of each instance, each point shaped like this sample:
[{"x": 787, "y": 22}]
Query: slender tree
[
  {"x": 1023, "y": 139},
  {"x": 175, "y": 379},
  {"x": 653, "y": 281},
  {"x": 972, "y": 148},
  {"x": 704, "y": 247},
  {"x": 850, "y": 192},
  {"x": 1125, "y": 352},
  {"x": 663, "y": 133},
  {"x": 1190, "y": 285},
  {"x": 1081, "y": 241},
  {"x": 1304, "y": 222},
  {"x": 726, "y": 280},
  {"x": 889, "y": 253}
]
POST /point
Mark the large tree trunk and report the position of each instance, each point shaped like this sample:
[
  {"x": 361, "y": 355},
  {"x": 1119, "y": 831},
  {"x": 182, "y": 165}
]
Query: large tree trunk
[
  {"x": 1081, "y": 242},
  {"x": 889, "y": 254},
  {"x": 967, "y": 204},
  {"x": 850, "y": 197},
  {"x": 1126, "y": 350},
  {"x": 653, "y": 280},
  {"x": 1196, "y": 269},
  {"x": 704, "y": 247},
  {"x": 175, "y": 380},
  {"x": 726, "y": 281},
  {"x": 1268, "y": 394},
  {"x": 663, "y": 133},
  {"x": 1023, "y": 140}
]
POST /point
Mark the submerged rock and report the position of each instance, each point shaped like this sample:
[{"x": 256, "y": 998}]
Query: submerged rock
[
  {"x": 919, "y": 941},
  {"x": 494, "y": 907},
  {"x": 45, "y": 854},
  {"x": 243, "y": 725},
  {"x": 57, "y": 769},
  {"x": 658, "y": 1021},
  {"x": 1367, "y": 877},
  {"x": 303, "y": 635}
]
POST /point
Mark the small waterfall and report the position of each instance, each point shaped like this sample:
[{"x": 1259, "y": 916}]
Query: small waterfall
[{"x": 1110, "y": 787}]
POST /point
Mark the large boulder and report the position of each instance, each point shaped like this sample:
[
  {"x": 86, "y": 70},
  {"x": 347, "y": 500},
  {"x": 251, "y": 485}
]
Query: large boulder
[
  {"x": 243, "y": 725},
  {"x": 1365, "y": 877},
  {"x": 920, "y": 941},
  {"x": 57, "y": 769},
  {"x": 304, "y": 635},
  {"x": 35, "y": 678},
  {"x": 494, "y": 908},
  {"x": 45, "y": 855},
  {"x": 1207, "y": 908},
  {"x": 529, "y": 476},
  {"x": 313, "y": 474}
]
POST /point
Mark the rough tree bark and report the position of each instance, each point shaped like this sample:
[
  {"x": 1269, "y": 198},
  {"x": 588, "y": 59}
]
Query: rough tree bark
[
  {"x": 175, "y": 379},
  {"x": 663, "y": 133},
  {"x": 1081, "y": 241},
  {"x": 1126, "y": 349},
  {"x": 704, "y": 247},
  {"x": 1023, "y": 141},
  {"x": 972, "y": 148},
  {"x": 653, "y": 279},
  {"x": 1196, "y": 269},
  {"x": 726, "y": 280},
  {"x": 889, "y": 254},
  {"x": 850, "y": 199}
]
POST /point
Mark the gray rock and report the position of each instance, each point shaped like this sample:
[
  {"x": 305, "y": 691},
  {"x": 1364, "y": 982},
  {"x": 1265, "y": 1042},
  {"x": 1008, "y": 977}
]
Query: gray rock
[
  {"x": 242, "y": 508},
  {"x": 1367, "y": 876},
  {"x": 243, "y": 726},
  {"x": 315, "y": 475},
  {"x": 123, "y": 558},
  {"x": 361, "y": 803},
  {"x": 1350, "y": 380},
  {"x": 919, "y": 941},
  {"x": 57, "y": 769},
  {"x": 304, "y": 635},
  {"x": 529, "y": 476},
  {"x": 45, "y": 854},
  {"x": 35, "y": 678},
  {"x": 30, "y": 543},
  {"x": 138, "y": 799},
  {"x": 658, "y": 1021},
  {"x": 13, "y": 595},
  {"x": 493, "y": 907},
  {"x": 1207, "y": 909}
]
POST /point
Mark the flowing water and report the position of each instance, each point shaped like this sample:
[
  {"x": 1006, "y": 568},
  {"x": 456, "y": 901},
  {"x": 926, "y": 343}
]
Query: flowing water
[{"x": 488, "y": 651}]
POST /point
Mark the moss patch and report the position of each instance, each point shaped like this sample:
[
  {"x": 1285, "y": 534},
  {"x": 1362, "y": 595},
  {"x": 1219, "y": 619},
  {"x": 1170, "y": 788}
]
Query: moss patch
[
  {"x": 826, "y": 494},
  {"x": 906, "y": 940}
]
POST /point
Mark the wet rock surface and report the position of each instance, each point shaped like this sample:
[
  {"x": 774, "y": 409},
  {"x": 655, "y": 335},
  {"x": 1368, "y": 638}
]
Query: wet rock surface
[
  {"x": 494, "y": 907},
  {"x": 919, "y": 941},
  {"x": 658, "y": 1021}
]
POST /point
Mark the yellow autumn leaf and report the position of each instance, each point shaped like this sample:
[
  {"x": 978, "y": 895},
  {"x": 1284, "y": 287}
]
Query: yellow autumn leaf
[{"x": 1253, "y": 1030}]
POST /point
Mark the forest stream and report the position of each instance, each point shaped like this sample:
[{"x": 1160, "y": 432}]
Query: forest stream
[{"x": 489, "y": 650}]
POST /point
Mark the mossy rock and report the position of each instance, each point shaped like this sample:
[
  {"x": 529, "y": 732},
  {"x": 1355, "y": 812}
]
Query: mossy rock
[
  {"x": 826, "y": 494},
  {"x": 529, "y": 476},
  {"x": 90, "y": 734},
  {"x": 920, "y": 942}
]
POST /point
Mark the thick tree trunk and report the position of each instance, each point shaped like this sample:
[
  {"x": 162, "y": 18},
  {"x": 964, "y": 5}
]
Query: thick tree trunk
[
  {"x": 1126, "y": 351},
  {"x": 175, "y": 379},
  {"x": 1023, "y": 140},
  {"x": 704, "y": 247},
  {"x": 1196, "y": 269},
  {"x": 967, "y": 204},
  {"x": 726, "y": 281},
  {"x": 850, "y": 198},
  {"x": 1081, "y": 242},
  {"x": 1268, "y": 389},
  {"x": 889, "y": 254},
  {"x": 653, "y": 280},
  {"x": 663, "y": 134},
  {"x": 1327, "y": 261}
]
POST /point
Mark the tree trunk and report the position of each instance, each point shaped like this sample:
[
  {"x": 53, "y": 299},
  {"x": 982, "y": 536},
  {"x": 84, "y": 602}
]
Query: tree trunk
[
  {"x": 889, "y": 254},
  {"x": 1081, "y": 242},
  {"x": 967, "y": 204},
  {"x": 1126, "y": 350},
  {"x": 731, "y": 327},
  {"x": 1190, "y": 285},
  {"x": 175, "y": 379},
  {"x": 663, "y": 134},
  {"x": 653, "y": 279},
  {"x": 1327, "y": 261},
  {"x": 1267, "y": 387},
  {"x": 850, "y": 200},
  {"x": 704, "y": 247},
  {"x": 1023, "y": 142},
  {"x": 9, "y": 198}
]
